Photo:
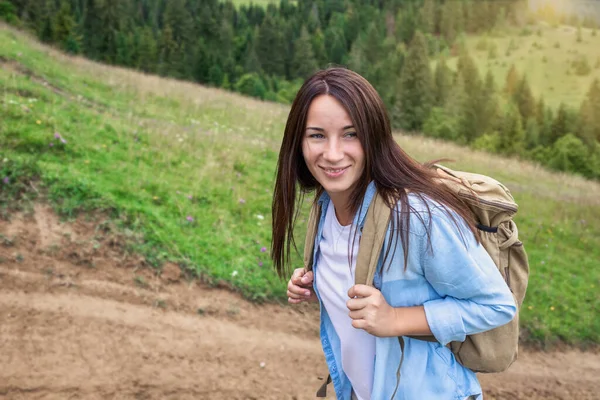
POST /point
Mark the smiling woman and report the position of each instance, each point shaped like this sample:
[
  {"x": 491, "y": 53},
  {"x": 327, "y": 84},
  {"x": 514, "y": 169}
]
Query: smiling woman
[{"x": 438, "y": 279}]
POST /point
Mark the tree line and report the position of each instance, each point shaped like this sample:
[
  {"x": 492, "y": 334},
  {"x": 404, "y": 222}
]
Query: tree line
[{"x": 266, "y": 52}]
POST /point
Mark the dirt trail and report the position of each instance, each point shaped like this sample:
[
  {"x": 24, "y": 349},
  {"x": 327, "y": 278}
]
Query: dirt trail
[{"x": 80, "y": 319}]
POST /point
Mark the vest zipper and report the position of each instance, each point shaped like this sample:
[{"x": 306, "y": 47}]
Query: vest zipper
[{"x": 401, "y": 340}]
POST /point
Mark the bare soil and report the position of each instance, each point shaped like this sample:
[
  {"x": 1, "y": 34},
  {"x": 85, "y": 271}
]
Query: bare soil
[{"x": 81, "y": 318}]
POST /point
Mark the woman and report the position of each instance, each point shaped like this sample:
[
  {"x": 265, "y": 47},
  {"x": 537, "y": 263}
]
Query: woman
[{"x": 434, "y": 277}]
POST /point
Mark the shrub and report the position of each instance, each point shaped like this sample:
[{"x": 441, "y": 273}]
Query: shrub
[
  {"x": 251, "y": 85},
  {"x": 525, "y": 32},
  {"x": 441, "y": 125},
  {"x": 569, "y": 153},
  {"x": 487, "y": 142},
  {"x": 482, "y": 44},
  {"x": 581, "y": 66}
]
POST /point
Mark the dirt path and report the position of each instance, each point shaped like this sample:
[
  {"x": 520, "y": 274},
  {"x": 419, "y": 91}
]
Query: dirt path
[{"x": 79, "y": 319}]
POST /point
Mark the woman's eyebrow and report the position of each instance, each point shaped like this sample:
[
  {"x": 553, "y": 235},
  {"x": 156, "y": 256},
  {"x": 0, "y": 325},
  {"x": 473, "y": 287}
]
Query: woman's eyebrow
[{"x": 323, "y": 130}]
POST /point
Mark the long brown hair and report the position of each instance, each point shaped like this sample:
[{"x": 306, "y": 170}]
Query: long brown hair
[{"x": 393, "y": 171}]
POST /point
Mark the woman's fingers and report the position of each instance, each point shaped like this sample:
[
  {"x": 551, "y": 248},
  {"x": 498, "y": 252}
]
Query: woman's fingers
[{"x": 300, "y": 286}]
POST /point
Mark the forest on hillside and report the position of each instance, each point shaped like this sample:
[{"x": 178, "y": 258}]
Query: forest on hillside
[{"x": 266, "y": 52}]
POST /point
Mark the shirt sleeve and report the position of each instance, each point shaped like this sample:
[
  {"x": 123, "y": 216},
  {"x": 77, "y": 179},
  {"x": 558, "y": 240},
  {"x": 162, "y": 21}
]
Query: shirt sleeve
[{"x": 474, "y": 296}]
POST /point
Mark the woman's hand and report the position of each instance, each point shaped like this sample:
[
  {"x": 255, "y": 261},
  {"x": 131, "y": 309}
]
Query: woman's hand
[
  {"x": 300, "y": 287},
  {"x": 370, "y": 311}
]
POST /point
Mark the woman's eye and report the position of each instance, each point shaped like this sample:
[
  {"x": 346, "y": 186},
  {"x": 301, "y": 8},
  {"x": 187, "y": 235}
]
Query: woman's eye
[
  {"x": 316, "y": 136},
  {"x": 350, "y": 134}
]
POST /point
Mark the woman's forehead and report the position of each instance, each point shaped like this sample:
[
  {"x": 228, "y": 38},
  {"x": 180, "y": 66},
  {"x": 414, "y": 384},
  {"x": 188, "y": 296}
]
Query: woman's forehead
[{"x": 326, "y": 109}]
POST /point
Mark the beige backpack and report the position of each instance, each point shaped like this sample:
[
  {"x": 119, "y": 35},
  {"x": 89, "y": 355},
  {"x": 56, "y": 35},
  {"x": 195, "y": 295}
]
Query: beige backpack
[{"x": 494, "y": 208}]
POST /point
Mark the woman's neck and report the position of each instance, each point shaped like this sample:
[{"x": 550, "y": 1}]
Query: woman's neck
[{"x": 342, "y": 210}]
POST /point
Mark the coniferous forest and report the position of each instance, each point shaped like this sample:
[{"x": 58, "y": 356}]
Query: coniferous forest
[{"x": 400, "y": 46}]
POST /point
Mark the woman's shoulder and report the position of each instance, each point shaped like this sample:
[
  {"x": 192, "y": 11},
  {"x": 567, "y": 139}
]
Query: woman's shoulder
[{"x": 425, "y": 212}]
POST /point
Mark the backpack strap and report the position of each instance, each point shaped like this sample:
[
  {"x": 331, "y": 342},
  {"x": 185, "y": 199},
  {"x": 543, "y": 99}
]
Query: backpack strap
[
  {"x": 311, "y": 233},
  {"x": 371, "y": 241},
  {"x": 322, "y": 392}
]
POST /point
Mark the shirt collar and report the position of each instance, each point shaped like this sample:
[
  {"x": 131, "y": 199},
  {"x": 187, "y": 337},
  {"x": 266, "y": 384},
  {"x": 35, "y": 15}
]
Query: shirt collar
[{"x": 359, "y": 218}]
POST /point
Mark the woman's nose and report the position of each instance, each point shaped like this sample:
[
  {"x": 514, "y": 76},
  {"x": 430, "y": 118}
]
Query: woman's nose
[{"x": 334, "y": 151}]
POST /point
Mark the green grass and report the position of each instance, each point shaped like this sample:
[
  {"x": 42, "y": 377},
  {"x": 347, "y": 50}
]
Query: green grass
[
  {"x": 545, "y": 54},
  {"x": 138, "y": 146}
]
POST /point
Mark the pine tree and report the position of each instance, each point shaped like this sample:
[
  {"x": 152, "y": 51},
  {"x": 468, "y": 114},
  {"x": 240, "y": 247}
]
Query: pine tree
[
  {"x": 303, "y": 63},
  {"x": 167, "y": 49},
  {"x": 532, "y": 134},
  {"x": 490, "y": 106},
  {"x": 512, "y": 80},
  {"x": 251, "y": 61},
  {"x": 318, "y": 44},
  {"x": 180, "y": 20},
  {"x": 147, "y": 51},
  {"x": 64, "y": 28},
  {"x": 524, "y": 99},
  {"x": 271, "y": 47},
  {"x": 335, "y": 41},
  {"x": 469, "y": 73},
  {"x": 452, "y": 20},
  {"x": 428, "y": 16},
  {"x": 560, "y": 125},
  {"x": 442, "y": 82},
  {"x": 416, "y": 87},
  {"x": 512, "y": 135},
  {"x": 590, "y": 115}
]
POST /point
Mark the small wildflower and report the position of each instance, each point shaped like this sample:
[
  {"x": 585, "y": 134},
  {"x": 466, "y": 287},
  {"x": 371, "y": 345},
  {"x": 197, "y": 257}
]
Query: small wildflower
[
  {"x": 6, "y": 181},
  {"x": 543, "y": 262},
  {"x": 63, "y": 141},
  {"x": 234, "y": 273},
  {"x": 5, "y": 160},
  {"x": 87, "y": 161},
  {"x": 262, "y": 364},
  {"x": 242, "y": 201},
  {"x": 155, "y": 198},
  {"x": 551, "y": 308},
  {"x": 38, "y": 122},
  {"x": 530, "y": 307},
  {"x": 260, "y": 263},
  {"x": 104, "y": 146},
  {"x": 189, "y": 218},
  {"x": 51, "y": 144},
  {"x": 190, "y": 197},
  {"x": 259, "y": 216},
  {"x": 263, "y": 249},
  {"x": 57, "y": 135}
]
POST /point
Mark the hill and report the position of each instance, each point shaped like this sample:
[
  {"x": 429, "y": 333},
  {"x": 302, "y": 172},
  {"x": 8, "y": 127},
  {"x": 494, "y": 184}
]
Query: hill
[
  {"x": 186, "y": 172},
  {"x": 559, "y": 66}
]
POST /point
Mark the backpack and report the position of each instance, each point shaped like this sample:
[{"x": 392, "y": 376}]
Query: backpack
[{"x": 494, "y": 207}]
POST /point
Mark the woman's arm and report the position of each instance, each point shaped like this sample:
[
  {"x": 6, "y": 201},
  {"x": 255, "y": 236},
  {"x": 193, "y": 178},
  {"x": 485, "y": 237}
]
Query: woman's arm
[{"x": 474, "y": 296}]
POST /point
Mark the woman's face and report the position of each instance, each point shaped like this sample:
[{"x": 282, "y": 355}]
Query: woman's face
[{"x": 331, "y": 148}]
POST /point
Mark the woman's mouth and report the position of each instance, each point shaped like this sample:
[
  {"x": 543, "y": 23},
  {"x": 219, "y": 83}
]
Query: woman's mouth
[{"x": 334, "y": 172}]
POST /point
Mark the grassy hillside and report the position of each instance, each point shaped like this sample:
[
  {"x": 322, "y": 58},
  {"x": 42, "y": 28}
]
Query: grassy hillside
[
  {"x": 190, "y": 170},
  {"x": 545, "y": 54}
]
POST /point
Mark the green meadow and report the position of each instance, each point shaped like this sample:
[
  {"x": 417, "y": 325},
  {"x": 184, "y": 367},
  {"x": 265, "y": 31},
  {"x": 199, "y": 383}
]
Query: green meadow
[
  {"x": 189, "y": 171},
  {"x": 559, "y": 63}
]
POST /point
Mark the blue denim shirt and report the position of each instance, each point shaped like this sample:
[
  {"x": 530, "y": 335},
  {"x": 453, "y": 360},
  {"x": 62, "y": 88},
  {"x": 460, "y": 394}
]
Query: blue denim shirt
[{"x": 461, "y": 290}]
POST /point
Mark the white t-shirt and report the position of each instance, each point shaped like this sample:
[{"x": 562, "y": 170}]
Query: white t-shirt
[{"x": 334, "y": 277}]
